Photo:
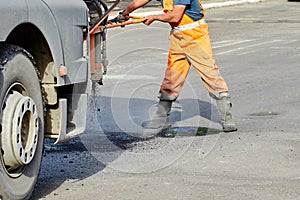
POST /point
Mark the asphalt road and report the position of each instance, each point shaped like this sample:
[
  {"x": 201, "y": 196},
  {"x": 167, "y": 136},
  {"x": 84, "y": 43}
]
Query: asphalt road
[{"x": 257, "y": 48}]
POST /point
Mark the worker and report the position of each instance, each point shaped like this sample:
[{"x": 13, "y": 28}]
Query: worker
[{"x": 190, "y": 45}]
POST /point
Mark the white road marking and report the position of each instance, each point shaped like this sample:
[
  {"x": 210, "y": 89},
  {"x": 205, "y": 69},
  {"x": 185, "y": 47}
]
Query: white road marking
[
  {"x": 221, "y": 42},
  {"x": 232, "y": 43},
  {"x": 291, "y": 41},
  {"x": 246, "y": 52},
  {"x": 246, "y": 47},
  {"x": 130, "y": 77},
  {"x": 284, "y": 47}
]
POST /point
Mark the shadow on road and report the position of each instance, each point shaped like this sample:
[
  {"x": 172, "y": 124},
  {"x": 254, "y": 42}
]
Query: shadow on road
[
  {"x": 116, "y": 114},
  {"x": 107, "y": 137},
  {"x": 70, "y": 161}
]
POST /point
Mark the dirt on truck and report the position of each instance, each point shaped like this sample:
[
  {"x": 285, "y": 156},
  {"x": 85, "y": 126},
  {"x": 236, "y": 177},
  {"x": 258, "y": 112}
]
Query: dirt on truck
[{"x": 51, "y": 53}]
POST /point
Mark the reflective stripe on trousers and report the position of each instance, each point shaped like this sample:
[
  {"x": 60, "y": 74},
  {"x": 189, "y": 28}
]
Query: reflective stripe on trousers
[
  {"x": 190, "y": 25},
  {"x": 191, "y": 47}
]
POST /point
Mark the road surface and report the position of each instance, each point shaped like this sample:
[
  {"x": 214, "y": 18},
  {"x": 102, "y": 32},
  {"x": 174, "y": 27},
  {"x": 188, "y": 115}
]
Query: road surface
[{"x": 257, "y": 48}]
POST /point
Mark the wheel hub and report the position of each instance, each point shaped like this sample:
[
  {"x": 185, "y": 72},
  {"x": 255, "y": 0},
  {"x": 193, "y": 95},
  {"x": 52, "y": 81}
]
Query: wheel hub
[{"x": 20, "y": 130}]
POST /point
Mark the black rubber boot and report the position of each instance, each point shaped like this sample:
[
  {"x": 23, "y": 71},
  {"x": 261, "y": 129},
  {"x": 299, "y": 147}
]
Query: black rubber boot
[
  {"x": 159, "y": 119},
  {"x": 224, "y": 104}
]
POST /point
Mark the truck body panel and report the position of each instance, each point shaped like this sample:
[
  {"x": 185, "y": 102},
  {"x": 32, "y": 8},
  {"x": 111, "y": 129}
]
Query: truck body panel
[
  {"x": 71, "y": 18},
  {"x": 52, "y": 39},
  {"x": 63, "y": 31},
  {"x": 13, "y": 13}
]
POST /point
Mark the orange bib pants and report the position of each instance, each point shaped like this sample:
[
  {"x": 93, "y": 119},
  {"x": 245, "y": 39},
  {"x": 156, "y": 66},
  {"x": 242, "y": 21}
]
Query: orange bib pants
[{"x": 191, "y": 46}]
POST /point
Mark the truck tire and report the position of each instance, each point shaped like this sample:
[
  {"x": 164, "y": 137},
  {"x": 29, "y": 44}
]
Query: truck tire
[{"x": 21, "y": 123}]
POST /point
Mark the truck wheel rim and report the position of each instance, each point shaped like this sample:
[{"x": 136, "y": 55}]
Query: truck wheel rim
[{"x": 19, "y": 138}]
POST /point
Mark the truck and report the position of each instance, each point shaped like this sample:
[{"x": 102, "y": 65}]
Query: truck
[{"x": 51, "y": 54}]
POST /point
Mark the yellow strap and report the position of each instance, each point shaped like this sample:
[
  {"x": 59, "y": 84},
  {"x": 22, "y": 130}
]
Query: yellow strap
[{"x": 168, "y": 5}]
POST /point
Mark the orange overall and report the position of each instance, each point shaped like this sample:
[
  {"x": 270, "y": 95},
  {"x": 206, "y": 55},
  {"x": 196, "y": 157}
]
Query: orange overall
[{"x": 190, "y": 45}]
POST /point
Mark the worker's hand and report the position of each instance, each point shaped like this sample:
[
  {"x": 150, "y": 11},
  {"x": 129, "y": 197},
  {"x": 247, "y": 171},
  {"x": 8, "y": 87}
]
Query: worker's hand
[
  {"x": 148, "y": 20},
  {"x": 120, "y": 18}
]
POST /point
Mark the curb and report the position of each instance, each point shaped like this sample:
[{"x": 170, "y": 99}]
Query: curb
[
  {"x": 205, "y": 5},
  {"x": 229, "y": 3}
]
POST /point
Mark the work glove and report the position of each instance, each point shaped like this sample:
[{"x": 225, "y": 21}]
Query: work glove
[{"x": 120, "y": 18}]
